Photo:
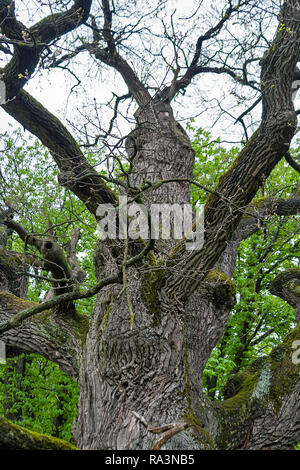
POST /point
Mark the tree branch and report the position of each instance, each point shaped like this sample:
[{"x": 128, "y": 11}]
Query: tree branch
[
  {"x": 117, "y": 278},
  {"x": 194, "y": 68},
  {"x": 54, "y": 258},
  {"x": 292, "y": 162},
  {"x": 250, "y": 224},
  {"x": 111, "y": 57},
  {"x": 32, "y": 41},
  {"x": 76, "y": 173},
  {"x": 254, "y": 163}
]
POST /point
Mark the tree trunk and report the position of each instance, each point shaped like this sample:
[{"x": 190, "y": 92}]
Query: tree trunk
[
  {"x": 146, "y": 350},
  {"x": 139, "y": 357}
]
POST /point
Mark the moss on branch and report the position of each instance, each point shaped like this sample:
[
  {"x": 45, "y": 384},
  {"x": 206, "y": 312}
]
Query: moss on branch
[
  {"x": 266, "y": 384},
  {"x": 14, "y": 437}
]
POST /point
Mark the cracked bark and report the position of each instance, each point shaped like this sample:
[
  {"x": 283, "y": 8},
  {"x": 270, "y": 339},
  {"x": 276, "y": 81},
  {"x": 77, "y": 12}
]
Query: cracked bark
[{"x": 151, "y": 364}]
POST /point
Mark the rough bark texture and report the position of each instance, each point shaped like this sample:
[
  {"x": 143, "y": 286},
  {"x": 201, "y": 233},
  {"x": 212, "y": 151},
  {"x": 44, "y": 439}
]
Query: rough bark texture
[{"x": 139, "y": 358}]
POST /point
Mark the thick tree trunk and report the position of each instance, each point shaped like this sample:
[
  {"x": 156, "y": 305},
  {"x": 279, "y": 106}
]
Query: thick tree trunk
[
  {"x": 146, "y": 349},
  {"x": 139, "y": 367},
  {"x": 143, "y": 362},
  {"x": 159, "y": 149},
  {"x": 139, "y": 358},
  {"x": 141, "y": 378}
]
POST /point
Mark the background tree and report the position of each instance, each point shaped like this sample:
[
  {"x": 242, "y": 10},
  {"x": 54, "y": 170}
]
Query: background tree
[{"x": 160, "y": 310}]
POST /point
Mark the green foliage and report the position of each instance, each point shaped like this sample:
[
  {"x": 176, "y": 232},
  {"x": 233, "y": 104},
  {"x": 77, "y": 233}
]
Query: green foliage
[
  {"x": 39, "y": 397},
  {"x": 42, "y": 399}
]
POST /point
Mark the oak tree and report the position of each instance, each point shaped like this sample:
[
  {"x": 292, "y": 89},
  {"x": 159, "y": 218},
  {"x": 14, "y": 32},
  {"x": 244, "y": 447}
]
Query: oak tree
[{"x": 160, "y": 308}]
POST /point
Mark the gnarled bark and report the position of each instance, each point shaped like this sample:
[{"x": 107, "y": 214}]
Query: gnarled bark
[
  {"x": 13, "y": 437},
  {"x": 139, "y": 358}
]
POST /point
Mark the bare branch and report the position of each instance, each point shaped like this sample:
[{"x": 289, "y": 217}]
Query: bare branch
[{"x": 286, "y": 286}]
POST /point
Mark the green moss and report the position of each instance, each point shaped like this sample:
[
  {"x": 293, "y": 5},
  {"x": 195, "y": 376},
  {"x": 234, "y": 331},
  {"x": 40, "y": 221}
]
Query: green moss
[
  {"x": 15, "y": 303},
  {"x": 80, "y": 326},
  {"x": 150, "y": 280},
  {"x": 268, "y": 380},
  {"x": 254, "y": 206},
  {"x": 244, "y": 381},
  {"x": 13, "y": 258},
  {"x": 259, "y": 202},
  {"x": 243, "y": 384},
  {"x": 218, "y": 277},
  {"x": 287, "y": 279},
  {"x": 278, "y": 382},
  {"x": 293, "y": 287},
  {"x": 282, "y": 377},
  {"x": 244, "y": 392},
  {"x": 177, "y": 249}
]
